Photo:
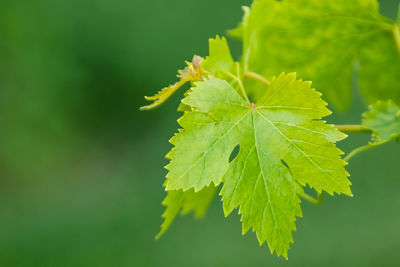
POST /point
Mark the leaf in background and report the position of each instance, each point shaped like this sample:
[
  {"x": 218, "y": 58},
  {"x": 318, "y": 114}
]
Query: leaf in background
[
  {"x": 283, "y": 146},
  {"x": 321, "y": 41},
  {"x": 383, "y": 118},
  {"x": 237, "y": 32},
  {"x": 379, "y": 71},
  {"x": 178, "y": 201},
  {"x": 220, "y": 57}
]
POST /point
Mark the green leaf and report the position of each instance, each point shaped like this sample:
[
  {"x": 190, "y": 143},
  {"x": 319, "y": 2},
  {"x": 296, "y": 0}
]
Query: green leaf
[
  {"x": 178, "y": 201},
  {"x": 380, "y": 67},
  {"x": 220, "y": 57},
  {"x": 237, "y": 33},
  {"x": 322, "y": 41},
  {"x": 284, "y": 145},
  {"x": 383, "y": 118}
]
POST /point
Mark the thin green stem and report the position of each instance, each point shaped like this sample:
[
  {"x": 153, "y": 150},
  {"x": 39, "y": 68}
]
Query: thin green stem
[
  {"x": 239, "y": 81},
  {"x": 352, "y": 128},
  {"x": 396, "y": 35},
  {"x": 360, "y": 149},
  {"x": 315, "y": 201},
  {"x": 257, "y": 77},
  {"x": 241, "y": 84}
]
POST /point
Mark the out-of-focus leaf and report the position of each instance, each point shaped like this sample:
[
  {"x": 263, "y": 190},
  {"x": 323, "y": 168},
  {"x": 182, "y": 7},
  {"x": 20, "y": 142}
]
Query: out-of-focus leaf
[{"x": 322, "y": 41}]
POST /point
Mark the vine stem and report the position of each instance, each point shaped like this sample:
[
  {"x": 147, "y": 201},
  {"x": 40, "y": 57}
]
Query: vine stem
[
  {"x": 396, "y": 35},
  {"x": 365, "y": 148},
  {"x": 315, "y": 201},
  {"x": 256, "y": 76},
  {"x": 241, "y": 84},
  {"x": 352, "y": 128},
  {"x": 359, "y": 150},
  {"x": 239, "y": 81}
]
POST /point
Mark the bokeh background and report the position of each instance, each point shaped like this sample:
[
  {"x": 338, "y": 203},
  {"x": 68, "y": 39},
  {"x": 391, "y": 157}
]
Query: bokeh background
[{"x": 81, "y": 168}]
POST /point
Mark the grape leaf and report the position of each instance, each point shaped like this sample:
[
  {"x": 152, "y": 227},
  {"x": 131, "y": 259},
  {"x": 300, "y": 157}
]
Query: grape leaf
[
  {"x": 283, "y": 146},
  {"x": 322, "y": 41},
  {"x": 383, "y": 118}
]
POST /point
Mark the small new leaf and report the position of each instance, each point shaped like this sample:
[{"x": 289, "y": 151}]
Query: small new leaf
[
  {"x": 193, "y": 72},
  {"x": 383, "y": 118},
  {"x": 178, "y": 201},
  {"x": 219, "y": 60}
]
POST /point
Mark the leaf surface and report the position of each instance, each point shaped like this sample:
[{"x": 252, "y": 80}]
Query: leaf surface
[{"x": 220, "y": 57}]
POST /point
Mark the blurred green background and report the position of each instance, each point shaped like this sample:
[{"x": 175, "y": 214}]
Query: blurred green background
[{"x": 81, "y": 168}]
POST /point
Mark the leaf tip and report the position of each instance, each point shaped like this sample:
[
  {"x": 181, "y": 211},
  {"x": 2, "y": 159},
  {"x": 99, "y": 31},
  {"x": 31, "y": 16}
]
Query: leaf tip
[{"x": 158, "y": 236}]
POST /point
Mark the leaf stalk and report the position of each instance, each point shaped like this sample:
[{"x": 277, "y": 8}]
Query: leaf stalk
[
  {"x": 257, "y": 77},
  {"x": 396, "y": 35},
  {"x": 241, "y": 83},
  {"x": 315, "y": 201},
  {"x": 352, "y": 128}
]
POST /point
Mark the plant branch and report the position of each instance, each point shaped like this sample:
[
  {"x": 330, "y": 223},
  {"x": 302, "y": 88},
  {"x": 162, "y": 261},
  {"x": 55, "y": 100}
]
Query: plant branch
[
  {"x": 365, "y": 148},
  {"x": 241, "y": 84},
  {"x": 315, "y": 201},
  {"x": 352, "y": 128},
  {"x": 396, "y": 35},
  {"x": 239, "y": 81},
  {"x": 257, "y": 77}
]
